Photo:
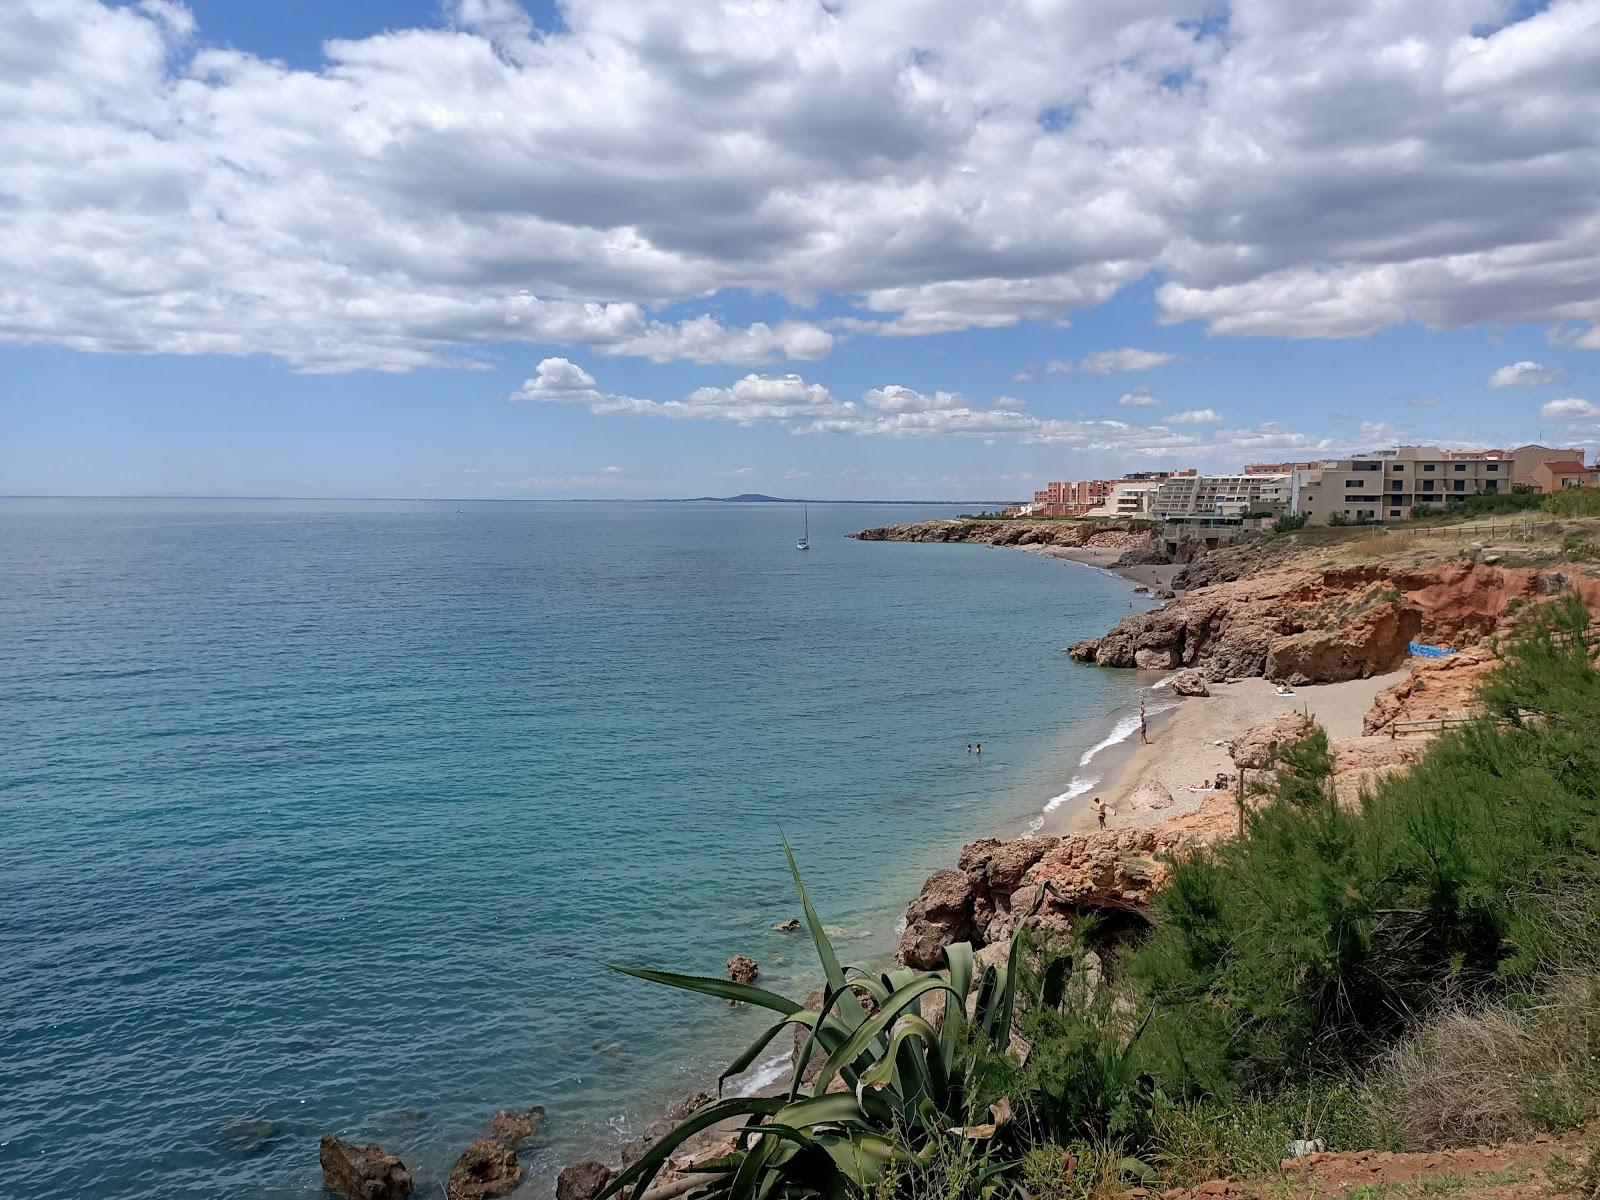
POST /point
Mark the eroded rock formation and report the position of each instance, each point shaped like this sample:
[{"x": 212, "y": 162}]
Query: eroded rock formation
[
  {"x": 997, "y": 882},
  {"x": 362, "y": 1172},
  {"x": 582, "y": 1180},
  {"x": 1326, "y": 626},
  {"x": 487, "y": 1168}
]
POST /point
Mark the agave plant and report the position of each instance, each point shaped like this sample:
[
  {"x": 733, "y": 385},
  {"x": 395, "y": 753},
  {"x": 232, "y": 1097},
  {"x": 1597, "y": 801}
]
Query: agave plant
[{"x": 891, "y": 1089}]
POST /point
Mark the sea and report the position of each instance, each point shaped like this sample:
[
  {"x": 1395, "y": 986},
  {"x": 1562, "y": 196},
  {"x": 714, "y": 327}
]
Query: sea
[{"x": 329, "y": 816}]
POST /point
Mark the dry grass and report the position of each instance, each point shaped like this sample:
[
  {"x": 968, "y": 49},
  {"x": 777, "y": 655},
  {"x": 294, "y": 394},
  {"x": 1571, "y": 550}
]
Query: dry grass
[{"x": 1474, "y": 1076}]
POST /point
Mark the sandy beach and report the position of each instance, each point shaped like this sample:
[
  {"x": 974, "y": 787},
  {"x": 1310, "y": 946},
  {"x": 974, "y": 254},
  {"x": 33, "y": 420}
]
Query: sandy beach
[
  {"x": 1150, "y": 575},
  {"x": 1188, "y": 744}
]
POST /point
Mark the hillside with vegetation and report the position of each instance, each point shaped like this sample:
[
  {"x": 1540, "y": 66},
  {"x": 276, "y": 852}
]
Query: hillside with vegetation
[{"x": 1415, "y": 972}]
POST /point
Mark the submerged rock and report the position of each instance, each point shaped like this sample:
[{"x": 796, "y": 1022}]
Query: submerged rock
[
  {"x": 486, "y": 1168},
  {"x": 789, "y": 926},
  {"x": 246, "y": 1137},
  {"x": 582, "y": 1181},
  {"x": 366, "y": 1172},
  {"x": 513, "y": 1128}
]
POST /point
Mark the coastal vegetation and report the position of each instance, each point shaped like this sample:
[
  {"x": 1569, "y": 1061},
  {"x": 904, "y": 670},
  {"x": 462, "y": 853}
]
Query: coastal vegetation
[{"x": 1418, "y": 970}]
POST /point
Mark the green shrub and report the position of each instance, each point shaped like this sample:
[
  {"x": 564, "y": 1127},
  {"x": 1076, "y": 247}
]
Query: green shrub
[
  {"x": 1288, "y": 524},
  {"x": 1312, "y": 943},
  {"x": 1573, "y": 502}
]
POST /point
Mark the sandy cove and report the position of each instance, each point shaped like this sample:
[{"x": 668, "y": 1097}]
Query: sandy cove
[{"x": 1188, "y": 744}]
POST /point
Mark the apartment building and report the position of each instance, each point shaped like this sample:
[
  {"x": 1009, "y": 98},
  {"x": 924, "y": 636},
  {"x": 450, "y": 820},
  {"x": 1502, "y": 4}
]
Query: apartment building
[
  {"x": 1069, "y": 498},
  {"x": 1193, "y": 497},
  {"x": 1387, "y": 484}
]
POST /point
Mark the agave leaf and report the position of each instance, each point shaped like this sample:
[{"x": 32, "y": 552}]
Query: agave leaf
[
  {"x": 743, "y": 1184},
  {"x": 872, "y": 1028},
  {"x": 1008, "y": 991},
  {"x": 710, "y": 985},
  {"x": 851, "y": 1008},
  {"x": 836, "y": 1108},
  {"x": 954, "y": 1028},
  {"x": 828, "y": 1030},
  {"x": 912, "y": 1027},
  {"x": 862, "y": 1157},
  {"x": 650, "y": 1163}
]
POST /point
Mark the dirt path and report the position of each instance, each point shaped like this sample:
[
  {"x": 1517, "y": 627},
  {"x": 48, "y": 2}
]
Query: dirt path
[{"x": 1546, "y": 1166}]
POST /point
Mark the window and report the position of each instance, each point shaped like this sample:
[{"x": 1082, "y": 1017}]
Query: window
[
  {"x": 1461, "y": 485},
  {"x": 1491, "y": 467},
  {"x": 1394, "y": 512},
  {"x": 1366, "y": 466},
  {"x": 1461, "y": 466},
  {"x": 1398, "y": 467},
  {"x": 1427, "y": 466},
  {"x": 1492, "y": 485},
  {"x": 1427, "y": 485}
]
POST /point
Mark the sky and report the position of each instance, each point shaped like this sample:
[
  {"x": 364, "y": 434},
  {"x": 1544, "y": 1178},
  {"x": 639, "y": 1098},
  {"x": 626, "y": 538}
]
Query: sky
[{"x": 846, "y": 249}]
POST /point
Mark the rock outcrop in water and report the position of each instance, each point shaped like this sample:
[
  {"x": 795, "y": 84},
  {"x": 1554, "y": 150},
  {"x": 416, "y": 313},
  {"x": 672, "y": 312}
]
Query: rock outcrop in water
[
  {"x": 366, "y": 1172},
  {"x": 486, "y": 1169},
  {"x": 582, "y": 1181},
  {"x": 1325, "y": 626}
]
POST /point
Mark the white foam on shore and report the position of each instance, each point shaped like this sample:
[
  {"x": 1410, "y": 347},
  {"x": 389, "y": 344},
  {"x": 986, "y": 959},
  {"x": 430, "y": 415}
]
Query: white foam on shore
[
  {"x": 1164, "y": 681},
  {"x": 1124, "y": 729},
  {"x": 765, "y": 1073}
]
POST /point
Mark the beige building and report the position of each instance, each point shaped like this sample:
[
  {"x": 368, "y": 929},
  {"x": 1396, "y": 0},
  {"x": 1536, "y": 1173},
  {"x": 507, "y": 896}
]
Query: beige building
[{"x": 1388, "y": 484}]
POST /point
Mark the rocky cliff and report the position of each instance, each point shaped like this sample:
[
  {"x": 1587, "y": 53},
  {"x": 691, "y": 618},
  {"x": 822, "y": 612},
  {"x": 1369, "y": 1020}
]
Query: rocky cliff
[
  {"x": 1327, "y": 625},
  {"x": 995, "y": 884},
  {"x": 1010, "y": 533}
]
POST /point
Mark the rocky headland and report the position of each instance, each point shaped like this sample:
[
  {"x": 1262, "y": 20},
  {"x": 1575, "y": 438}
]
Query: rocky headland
[
  {"x": 979, "y": 531},
  {"x": 1303, "y": 624}
]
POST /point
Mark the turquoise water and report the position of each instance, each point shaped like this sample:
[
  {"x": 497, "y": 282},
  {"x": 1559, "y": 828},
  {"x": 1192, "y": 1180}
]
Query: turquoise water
[{"x": 324, "y": 816}]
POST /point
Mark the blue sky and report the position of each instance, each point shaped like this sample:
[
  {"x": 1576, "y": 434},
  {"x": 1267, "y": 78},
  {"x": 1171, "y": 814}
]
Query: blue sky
[{"x": 899, "y": 250}]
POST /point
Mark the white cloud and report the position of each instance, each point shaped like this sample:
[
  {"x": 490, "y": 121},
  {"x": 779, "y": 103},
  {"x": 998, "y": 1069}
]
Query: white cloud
[
  {"x": 1569, "y": 409},
  {"x": 741, "y": 472},
  {"x": 1575, "y": 338},
  {"x": 1524, "y": 374},
  {"x": 419, "y": 194},
  {"x": 1196, "y": 416},
  {"x": 613, "y": 471},
  {"x": 1110, "y": 362},
  {"x": 1138, "y": 398}
]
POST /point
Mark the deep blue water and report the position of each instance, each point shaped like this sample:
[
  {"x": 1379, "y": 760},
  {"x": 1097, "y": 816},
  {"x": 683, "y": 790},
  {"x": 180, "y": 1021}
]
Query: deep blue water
[{"x": 327, "y": 814}]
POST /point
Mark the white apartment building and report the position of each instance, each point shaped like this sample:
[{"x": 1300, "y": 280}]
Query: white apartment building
[{"x": 1221, "y": 497}]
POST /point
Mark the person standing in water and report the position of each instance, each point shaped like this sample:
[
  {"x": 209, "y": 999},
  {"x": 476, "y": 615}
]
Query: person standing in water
[{"x": 978, "y": 749}]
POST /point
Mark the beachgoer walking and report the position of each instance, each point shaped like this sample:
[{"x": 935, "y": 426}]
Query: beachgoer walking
[
  {"x": 1100, "y": 811},
  {"x": 1144, "y": 729}
]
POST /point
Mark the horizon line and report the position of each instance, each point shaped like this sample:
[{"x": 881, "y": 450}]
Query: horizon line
[{"x": 484, "y": 499}]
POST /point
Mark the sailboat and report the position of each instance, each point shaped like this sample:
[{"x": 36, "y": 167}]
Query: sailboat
[{"x": 805, "y": 539}]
